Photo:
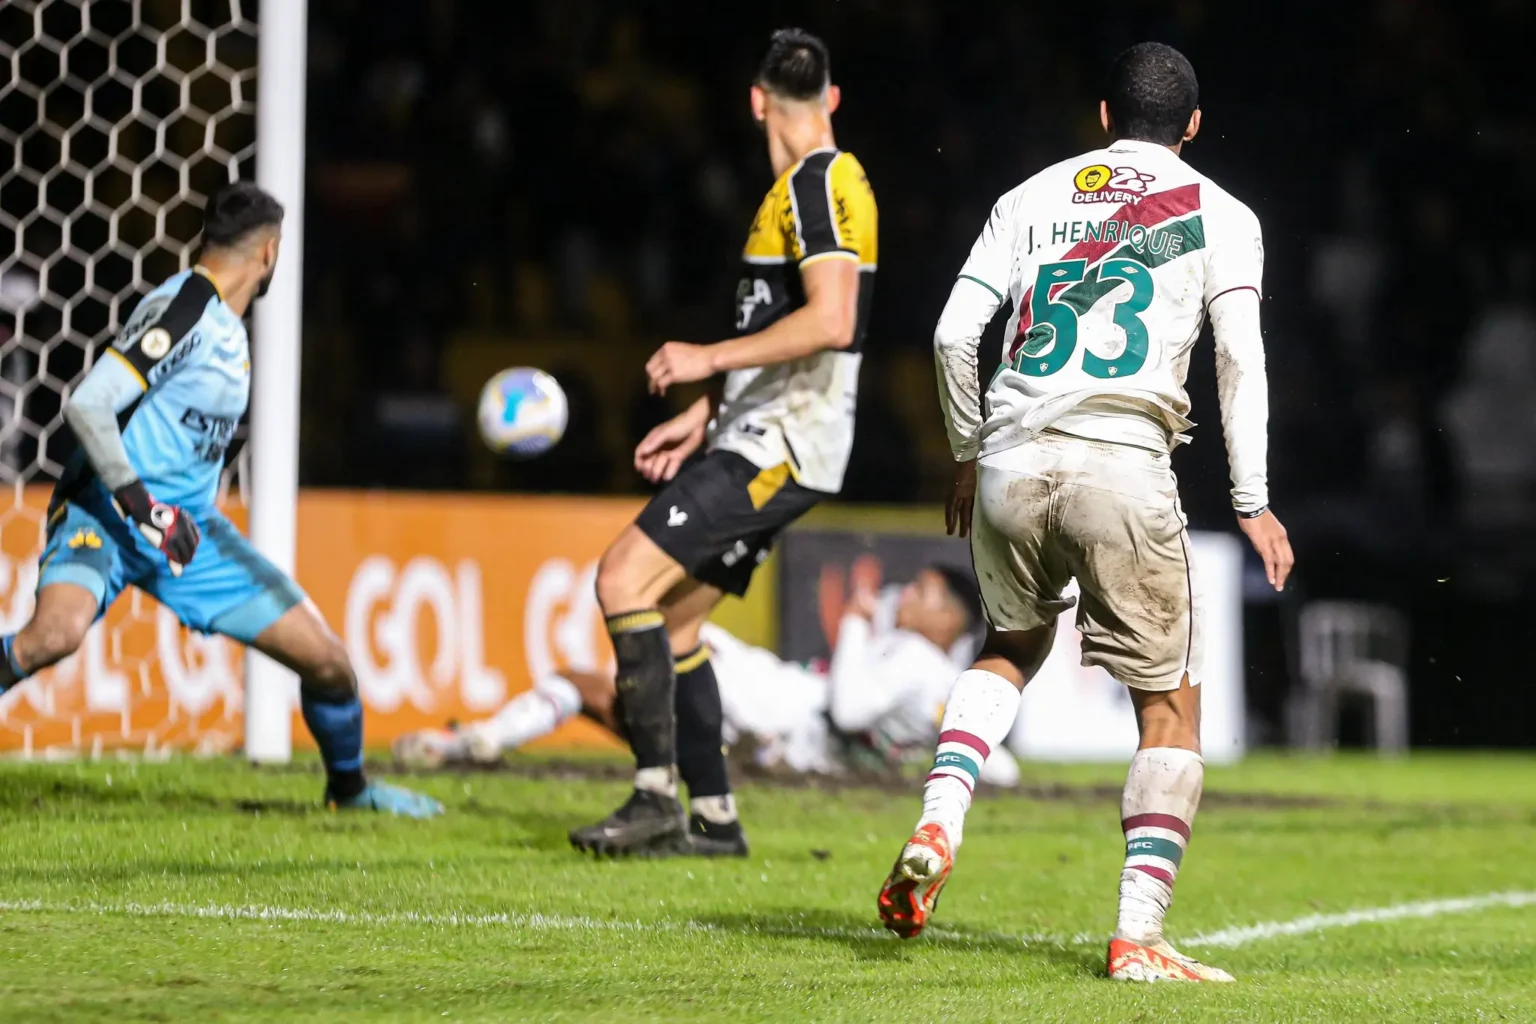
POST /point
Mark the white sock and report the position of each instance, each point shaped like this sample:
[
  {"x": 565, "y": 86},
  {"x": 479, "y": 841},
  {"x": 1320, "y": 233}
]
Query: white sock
[
  {"x": 538, "y": 712},
  {"x": 718, "y": 810},
  {"x": 980, "y": 713},
  {"x": 1162, "y": 792},
  {"x": 661, "y": 780}
]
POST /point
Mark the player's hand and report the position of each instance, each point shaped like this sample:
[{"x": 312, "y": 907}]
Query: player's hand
[
  {"x": 1270, "y": 541},
  {"x": 167, "y": 527},
  {"x": 864, "y": 587},
  {"x": 678, "y": 362},
  {"x": 962, "y": 501},
  {"x": 667, "y": 447}
]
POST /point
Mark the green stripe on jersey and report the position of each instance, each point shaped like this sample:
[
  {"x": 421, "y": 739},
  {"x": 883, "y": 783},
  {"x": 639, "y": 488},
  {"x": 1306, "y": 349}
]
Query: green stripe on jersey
[{"x": 977, "y": 280}]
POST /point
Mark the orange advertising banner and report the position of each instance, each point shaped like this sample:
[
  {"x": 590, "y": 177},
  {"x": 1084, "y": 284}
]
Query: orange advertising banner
[{"x": 448, "y": 604}]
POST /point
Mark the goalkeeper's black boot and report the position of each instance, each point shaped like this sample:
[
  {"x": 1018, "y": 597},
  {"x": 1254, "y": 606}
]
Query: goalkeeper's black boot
[
  {"x": 648, "y": 825},
  {"x": 712, "y": 839}
]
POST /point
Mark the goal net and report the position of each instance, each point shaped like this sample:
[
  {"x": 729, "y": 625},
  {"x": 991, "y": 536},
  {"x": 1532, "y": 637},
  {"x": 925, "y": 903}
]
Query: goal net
[{"x": 116, "y": 118}]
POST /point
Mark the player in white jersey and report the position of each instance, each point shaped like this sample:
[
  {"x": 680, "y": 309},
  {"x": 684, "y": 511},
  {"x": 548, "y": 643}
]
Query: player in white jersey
[
  {"x": 877, "y": 700},
  {"x": 1111, "y": 260}
]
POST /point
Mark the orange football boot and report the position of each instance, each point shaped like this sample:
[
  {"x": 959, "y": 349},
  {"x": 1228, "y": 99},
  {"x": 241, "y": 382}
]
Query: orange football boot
[
  {"x": 911, "y": 892},
  {"x": 1132, "y": 961}
]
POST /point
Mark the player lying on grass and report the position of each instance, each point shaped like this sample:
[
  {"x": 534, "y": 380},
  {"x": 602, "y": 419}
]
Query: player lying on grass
[
  {"x": 775, "y": 445},
  {"x": 1112, "y": 259},
  {"x": 135, "y": 504},
  {"x": 876, "y": 701}
]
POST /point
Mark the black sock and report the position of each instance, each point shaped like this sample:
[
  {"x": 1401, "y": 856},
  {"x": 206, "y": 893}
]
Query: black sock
[
  {"x": 700, "y": 746},
  {"x": 645, "y": 686},
  {"x": 341, "y": 784},
  {"x": 335, "y": 720}
]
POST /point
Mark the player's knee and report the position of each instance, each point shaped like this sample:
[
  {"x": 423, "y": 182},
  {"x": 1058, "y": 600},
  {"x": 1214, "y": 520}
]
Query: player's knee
[
  {"x": 53, "y": 638},
  {"x": 331, "y": 676},
  {"x": 1025, "y": 650},
  {"x": 618, "y": 589}
]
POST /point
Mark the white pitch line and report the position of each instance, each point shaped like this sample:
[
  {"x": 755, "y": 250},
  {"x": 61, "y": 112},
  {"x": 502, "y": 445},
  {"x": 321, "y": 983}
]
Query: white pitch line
[
  {"x": 535, "y": 922},
  {"x": 524, "y": 922},
  {"x": 1350, "y": 918},
  {"x": 1227, "y": 937}
]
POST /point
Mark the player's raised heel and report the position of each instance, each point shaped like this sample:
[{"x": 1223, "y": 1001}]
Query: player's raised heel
[
  {"x": 385, "y": 798},
  {"x": 648, "y": 825},
  {"x": 1133, "y": 961},
  {"x": 911, "y": 892}
]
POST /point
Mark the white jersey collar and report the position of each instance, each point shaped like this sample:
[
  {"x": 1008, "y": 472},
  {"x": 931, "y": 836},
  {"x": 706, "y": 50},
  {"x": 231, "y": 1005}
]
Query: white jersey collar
[{"x": 1139, "y": 146}]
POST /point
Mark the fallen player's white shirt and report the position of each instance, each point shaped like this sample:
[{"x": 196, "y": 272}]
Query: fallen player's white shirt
[
  {"x": 889, "y": 684},
  {"x": 884, "y": 689}
]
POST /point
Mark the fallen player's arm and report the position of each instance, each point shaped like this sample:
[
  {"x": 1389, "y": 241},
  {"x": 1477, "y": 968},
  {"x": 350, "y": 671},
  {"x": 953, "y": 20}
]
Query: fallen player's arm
[
  {"x": 861, "y": 694},
  {"x": 1243, "y": 388},
  {"x": 826, "y": 321},
  {"x": 973, "y": 301}
]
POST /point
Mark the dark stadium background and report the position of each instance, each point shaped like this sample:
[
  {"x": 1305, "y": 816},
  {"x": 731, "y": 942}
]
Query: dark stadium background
[
  {"x": 576, "y": 176},
  {"x": 566, "y": 183}
]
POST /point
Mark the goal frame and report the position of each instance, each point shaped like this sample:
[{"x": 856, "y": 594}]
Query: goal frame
[{"x": 281, "y": 65}]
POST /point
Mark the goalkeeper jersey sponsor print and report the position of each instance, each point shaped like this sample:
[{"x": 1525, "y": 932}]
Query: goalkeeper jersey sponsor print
[
  {"x": 190, "y": 353},
  {"x": 801, "y": 412},
  {"x": 1109, "y": 261}
]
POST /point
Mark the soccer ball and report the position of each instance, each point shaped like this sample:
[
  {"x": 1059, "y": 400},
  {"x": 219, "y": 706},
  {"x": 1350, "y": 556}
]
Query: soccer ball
[{"x": 522, "y": 412}]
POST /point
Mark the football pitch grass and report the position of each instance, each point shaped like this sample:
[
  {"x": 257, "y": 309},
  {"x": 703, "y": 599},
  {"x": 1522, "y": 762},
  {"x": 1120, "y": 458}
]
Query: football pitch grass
[{"x": 1335, "y": 889}]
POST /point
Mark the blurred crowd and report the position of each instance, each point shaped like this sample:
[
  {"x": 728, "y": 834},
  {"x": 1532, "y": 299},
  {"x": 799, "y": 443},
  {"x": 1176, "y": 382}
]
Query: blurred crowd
[
  {"x": 567, "y": 183},
  {"x": 584, "y": 172}
]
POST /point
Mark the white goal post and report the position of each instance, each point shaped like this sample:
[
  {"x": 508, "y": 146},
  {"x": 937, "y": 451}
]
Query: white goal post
[{"x": 269, "y": 688}]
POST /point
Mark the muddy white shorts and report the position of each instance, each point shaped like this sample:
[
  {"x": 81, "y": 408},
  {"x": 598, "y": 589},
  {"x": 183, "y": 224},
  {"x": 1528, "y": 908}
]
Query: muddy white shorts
[{"x": 1059, "y": 507}]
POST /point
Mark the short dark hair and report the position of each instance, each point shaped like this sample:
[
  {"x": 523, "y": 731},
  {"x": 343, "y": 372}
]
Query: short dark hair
[
  {"x": 961, "y": 585},
  {"x": 797, "y": 65},
  {"x": 236, "y": 210},
  {"x": 1152, "y": 93}
]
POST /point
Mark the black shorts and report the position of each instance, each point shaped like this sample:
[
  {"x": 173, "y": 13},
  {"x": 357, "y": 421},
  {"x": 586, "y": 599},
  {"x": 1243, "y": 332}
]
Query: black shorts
[{"x": 719, "y": 517}]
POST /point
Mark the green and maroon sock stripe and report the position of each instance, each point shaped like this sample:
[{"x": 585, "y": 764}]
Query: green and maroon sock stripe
[
  {"x": 1162, "y": 821},
  {"x": 960, "y": 756},
  {"x": 1154, "y": 844}
]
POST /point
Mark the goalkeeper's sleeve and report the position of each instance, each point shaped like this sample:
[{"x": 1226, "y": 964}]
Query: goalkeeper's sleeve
[{"x": 92, "y": 412}]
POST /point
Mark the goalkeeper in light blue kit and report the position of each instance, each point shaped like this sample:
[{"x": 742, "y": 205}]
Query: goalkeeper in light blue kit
[{"x": 135, "y": 505}]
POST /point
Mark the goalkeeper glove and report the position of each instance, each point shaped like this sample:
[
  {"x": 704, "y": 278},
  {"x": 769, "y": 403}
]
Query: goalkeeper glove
[{"x": 167, "y": 527}]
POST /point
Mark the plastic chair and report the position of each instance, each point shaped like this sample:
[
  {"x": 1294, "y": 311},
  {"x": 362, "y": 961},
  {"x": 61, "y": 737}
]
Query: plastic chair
[{"x": 1351, "y": 650}]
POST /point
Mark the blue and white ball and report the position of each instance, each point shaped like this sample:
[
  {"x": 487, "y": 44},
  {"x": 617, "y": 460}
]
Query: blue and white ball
[{"x": 522, "y": 412}]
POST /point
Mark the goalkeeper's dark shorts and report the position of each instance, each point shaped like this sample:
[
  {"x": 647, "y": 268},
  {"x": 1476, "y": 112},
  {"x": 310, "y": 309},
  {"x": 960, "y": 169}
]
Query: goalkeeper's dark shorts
[{"x": 719, "y": 517}]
